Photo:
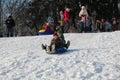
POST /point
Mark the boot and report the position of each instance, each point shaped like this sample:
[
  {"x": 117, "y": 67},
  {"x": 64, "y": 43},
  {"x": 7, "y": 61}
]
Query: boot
[
  {"x": 68, "y": 44},
  {"x": 43, "y": 47}
]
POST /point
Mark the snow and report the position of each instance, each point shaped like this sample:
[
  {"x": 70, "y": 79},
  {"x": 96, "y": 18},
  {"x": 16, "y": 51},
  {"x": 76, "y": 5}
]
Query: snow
[{"x": 91, "y": 56}]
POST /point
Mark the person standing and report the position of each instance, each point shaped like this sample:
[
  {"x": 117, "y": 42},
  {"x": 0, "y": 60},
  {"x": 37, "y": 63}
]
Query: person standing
[
  {"x": 98, "y": 25},
  {"x": 62, "y": 21},
  {"x": 10, "y": 23},
  {"x": 103, "y": 24},
  {"x": 114, "y": 23},
  {"x": 83, "y": 14},
  {"x": 67, "y": 19}
]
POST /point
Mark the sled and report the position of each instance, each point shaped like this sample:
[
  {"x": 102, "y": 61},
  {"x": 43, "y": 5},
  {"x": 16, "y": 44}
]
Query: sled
[
  {"x": 45, "y": 32},
  {"x": 58, "y": 51}
]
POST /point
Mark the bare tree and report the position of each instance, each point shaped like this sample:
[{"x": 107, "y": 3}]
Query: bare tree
[
  {"x": 0, "y": 14},
  {"x": 1, "y": 17},
  {"x": 16, "y": 8}
]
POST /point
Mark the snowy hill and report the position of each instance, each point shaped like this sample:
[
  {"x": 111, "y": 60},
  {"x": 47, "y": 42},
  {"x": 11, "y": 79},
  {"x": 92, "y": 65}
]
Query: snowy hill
[{"x": 91, "y": 56}]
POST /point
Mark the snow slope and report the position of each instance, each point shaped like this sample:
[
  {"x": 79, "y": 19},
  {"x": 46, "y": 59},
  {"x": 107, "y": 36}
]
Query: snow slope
[{"x": 91, "y": 56}]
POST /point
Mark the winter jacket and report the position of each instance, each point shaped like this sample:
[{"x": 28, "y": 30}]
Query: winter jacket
[
  {"x": 83, "y": 14},
  {"x": 47, "y": 27},
  {"x": 66, "y": 16},
  {"x": 57, "y": 42},
  {"x": 10, "y": 23}
]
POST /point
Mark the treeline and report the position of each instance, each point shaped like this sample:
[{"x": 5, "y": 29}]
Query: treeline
[{"x": 31, "y": 15}]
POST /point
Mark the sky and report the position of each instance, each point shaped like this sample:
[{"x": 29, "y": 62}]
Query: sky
[{"x": 91, "y": 56}]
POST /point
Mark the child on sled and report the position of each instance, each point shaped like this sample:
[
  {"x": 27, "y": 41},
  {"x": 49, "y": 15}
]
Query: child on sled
[{"x": 56, "y": 43}]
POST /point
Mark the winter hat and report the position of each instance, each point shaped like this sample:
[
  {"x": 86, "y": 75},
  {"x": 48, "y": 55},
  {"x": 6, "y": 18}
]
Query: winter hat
[
  {"x": 10, "y": 17},
  {"x": 67, "y": 9},
  {"x": 83, "y": 7},
  {"x": 47, "y": 23}
]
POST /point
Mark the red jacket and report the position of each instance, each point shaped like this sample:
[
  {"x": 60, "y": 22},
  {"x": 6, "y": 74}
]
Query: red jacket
[
  {"x": 47, "y": 27},
  {"x": 66, "y": 16}
]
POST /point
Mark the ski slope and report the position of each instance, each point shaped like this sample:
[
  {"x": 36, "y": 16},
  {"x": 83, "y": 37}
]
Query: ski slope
[{"x": 91, "y": 56}]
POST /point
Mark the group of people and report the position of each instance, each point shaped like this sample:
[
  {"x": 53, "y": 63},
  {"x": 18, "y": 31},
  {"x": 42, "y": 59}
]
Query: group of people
[
  {"x": 58, "y": 40},
  {"x": 101, "y": 25},
  {"x": 86, "y": 24},
  {"x": 106, "y": 25}
]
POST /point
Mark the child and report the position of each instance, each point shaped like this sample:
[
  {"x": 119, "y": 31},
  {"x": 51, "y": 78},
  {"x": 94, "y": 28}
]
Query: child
[
  {"x": 55, "y": 44},
  {"x": 110, "y": 27},
  {"x": 47, "y": 26}
]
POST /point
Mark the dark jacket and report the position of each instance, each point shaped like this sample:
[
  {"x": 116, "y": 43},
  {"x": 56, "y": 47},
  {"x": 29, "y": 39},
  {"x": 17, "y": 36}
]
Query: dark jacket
[
  {"x": 57, "y": 42},
  {"x": 10, "y": 23}
]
